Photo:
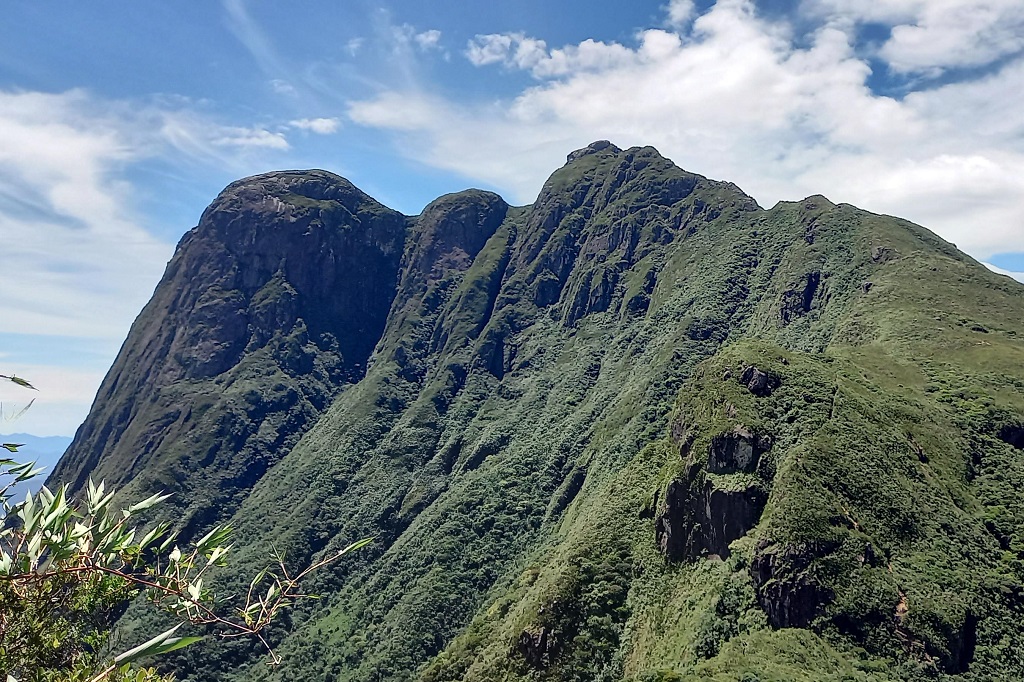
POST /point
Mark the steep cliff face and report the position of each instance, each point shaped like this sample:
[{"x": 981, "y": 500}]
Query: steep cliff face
[
  {"x": 642, "y": 429},
  {"x": 268, "y": 309}
]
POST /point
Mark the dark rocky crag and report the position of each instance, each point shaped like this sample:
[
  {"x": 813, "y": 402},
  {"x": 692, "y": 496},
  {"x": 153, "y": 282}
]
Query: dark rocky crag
[
  {"x": 269, "y": 308},
  {"x": 641, "y": 429}
]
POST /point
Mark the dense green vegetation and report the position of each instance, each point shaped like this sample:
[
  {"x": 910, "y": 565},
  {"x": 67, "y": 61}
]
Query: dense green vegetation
[{"x": 573, "y": 473}]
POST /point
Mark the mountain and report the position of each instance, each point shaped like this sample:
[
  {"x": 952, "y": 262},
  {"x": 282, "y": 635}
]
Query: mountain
[
  {"x": 642, "y": 429},
  {"x": 43, "y": 450}
]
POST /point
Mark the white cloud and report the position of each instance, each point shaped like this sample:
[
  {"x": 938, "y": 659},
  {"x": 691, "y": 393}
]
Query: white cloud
[
  {"x": 1019, "y": 276},
  {"x": 353, "y": 45},
  {"x": 79, "y": 262},
  {"x": 75, "y": 254},
  {"x": 398, "y": 112},
  {"x": 320, "y": 126},
  {"x": 741, "y": 98},
  {"x": 406, "y": 35},
  {"x": 680, "y": 12},
  {"x": 253, "y": 38},
  {"x": 232, "y": 136},
  {"x": 58, "y": 406},
  {"x": 428, "y": 40},
  {"x": 493, "y": 48},
  {"x": 517, "y": 50},
  {"x": 929, "y": 36},
  {"x": 283, "y": 87}
]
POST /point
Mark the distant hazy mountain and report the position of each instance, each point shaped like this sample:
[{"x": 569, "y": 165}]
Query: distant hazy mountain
[
  {"x": 43, "y": 450},
  {"x": 641, "y": 430}
]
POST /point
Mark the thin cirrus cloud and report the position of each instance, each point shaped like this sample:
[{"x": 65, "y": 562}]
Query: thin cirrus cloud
[
  {"x": 250, "y": 137},
  {"x": 320, "y": 126},
  {"x": 75, "y": 255},
  {"x": 78, "y": 262},
  {"x": 79, "y": 259},
  {"x": 734, "y": 95}
]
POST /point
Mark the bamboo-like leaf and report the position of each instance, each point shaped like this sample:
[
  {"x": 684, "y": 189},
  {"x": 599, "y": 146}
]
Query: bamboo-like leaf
[
  {"x": 152, "y": 535},
  {"x": 18, "y": 380},
  {"x": 358, "y": 544},
  {"x": 19, "y": 413},
  {"x": 148, "y": 502},
  {"x": 29, "y": 473},
  {"x": 161, "y": 644}
]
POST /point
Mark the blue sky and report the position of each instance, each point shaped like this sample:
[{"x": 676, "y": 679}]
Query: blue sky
[{"x": 120, "y": 121}]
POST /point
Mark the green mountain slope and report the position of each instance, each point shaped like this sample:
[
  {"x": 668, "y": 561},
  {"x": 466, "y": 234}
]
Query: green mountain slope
[
  {"x": 267, "y": 310},
  {"x": 641, "y": 429}
]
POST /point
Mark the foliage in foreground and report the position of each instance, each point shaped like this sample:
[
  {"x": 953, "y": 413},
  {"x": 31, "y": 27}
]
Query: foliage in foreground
[{"x": 69, "y": 568}]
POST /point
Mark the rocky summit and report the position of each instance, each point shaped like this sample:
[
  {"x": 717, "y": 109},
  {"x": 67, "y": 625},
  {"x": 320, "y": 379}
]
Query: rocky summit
[{"x": 642, "y": 429}]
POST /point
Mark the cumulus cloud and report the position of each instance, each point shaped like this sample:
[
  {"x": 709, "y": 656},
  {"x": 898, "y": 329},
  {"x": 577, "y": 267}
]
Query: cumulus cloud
[
  {"x": 680, "y": 12},
  {"x": 517, "y": 50},
  {"x": 747, "y": 99},
  {"x": 930, "y": 36},
  {"x": 320, "y": 126}
]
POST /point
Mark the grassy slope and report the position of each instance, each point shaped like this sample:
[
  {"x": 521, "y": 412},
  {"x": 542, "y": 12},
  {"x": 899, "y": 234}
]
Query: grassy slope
[
  {"x": 508, "y": 442},
  {"x": 928, "y": 360}
]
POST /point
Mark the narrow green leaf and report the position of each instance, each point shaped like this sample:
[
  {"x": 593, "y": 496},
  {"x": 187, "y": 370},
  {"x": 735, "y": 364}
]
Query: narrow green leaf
[
  {"x": 18, "y": 380},
  {"x": 358, "y": 544},
  {"x": 148, "y": 502},
  {"x": 149, "y": 648}
]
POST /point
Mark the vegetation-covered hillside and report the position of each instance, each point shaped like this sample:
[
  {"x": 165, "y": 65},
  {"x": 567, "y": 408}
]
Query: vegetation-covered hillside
[{"x": 641, "y": 429}]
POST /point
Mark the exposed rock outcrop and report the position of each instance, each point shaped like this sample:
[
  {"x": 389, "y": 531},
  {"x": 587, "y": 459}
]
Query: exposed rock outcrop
[
  {"x": 699, "y": 518},
  {"x": 736, "y": 451},
  {"x": 786, "y": 588},
  {"x": 757, "y": 382},
  {"x": 537, "y": 647},
  {"x": 269, "y": 307}
]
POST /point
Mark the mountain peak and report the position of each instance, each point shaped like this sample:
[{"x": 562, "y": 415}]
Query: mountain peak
[
  {"x": 643, "y": 368},
  {"x": 593, "y": 148}
]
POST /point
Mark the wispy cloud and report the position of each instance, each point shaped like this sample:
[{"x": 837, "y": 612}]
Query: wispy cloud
[
  {"x": 59, "y": 404},
  {"x": 74, "y": 250},
  {"x": 320, "y": 126},
  {"x": 353, "y": 45},
  {"x": 740, "y": 97},
  {"x": 1019, "y": 276},
  {"x": 234, "y": 136},
  {"x": 254, "y": 39},
  {"x": 79, "y": 260}
]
